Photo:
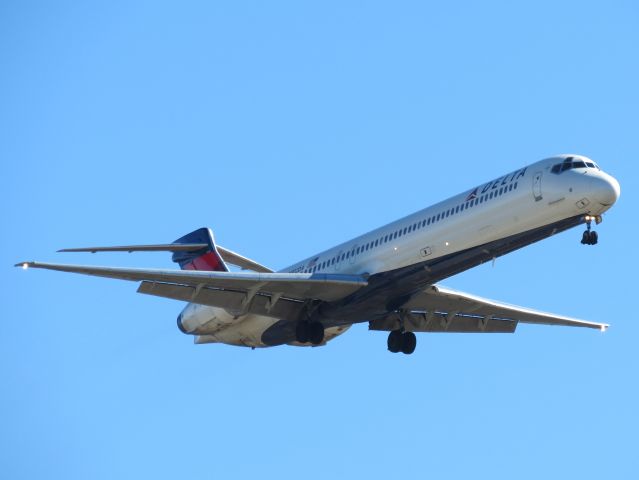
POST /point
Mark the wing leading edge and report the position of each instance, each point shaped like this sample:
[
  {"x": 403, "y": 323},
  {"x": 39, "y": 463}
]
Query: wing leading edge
[
  {"x": 440, "y": 309},
  {"x": 301, "y": 286}
]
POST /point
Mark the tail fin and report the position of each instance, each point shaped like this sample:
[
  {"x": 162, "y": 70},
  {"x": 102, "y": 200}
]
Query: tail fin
[{"x": 207, "y": 258}]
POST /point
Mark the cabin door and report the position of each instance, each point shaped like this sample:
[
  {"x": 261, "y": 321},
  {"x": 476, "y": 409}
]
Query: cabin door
[{"x": 537, "y": 186}]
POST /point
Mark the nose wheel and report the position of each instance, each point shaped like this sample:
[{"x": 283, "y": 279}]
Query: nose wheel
[{"x": 589, "y": 237}]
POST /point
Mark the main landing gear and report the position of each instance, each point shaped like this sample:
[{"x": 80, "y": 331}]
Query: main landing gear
[
  {"x": 401, "y": 341},
  {"x": 309, "y": 332},
  {"x": 589, "y": 237}
]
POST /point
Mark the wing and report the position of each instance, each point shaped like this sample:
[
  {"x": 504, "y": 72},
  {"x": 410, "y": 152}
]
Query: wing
[
  {"x": 177, "y": 283},
  {"x": 440, "y": 309}
]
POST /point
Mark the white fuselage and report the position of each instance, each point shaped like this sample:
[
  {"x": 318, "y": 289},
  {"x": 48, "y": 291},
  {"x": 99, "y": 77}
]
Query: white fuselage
[{"x": 520, "y": 201}]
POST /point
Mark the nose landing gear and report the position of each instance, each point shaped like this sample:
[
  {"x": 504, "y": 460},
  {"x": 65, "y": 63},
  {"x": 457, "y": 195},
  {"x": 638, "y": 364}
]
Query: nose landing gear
[{"x": 590, "y": 237}]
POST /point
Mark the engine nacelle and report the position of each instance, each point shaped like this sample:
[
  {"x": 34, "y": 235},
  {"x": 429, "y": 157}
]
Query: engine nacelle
[
  {"x": 203, "y": 320},
  {"x": 216, "y": 325}
]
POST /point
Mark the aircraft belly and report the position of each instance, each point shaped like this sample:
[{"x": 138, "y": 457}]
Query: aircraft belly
[
  {"x": 388, "y": 291},
  {"x": 245, "y": 331}
]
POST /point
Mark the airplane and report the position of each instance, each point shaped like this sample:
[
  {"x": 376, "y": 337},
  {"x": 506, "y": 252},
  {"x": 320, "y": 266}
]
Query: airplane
[{"x": 388, "y": 277}]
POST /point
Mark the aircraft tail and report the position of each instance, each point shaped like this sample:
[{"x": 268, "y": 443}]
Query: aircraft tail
[
  {"x": 193, "y": 251},
  {"x": 206, "y": 258}
]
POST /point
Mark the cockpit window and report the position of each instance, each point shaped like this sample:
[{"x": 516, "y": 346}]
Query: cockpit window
[{"x": 569, "y": 164}]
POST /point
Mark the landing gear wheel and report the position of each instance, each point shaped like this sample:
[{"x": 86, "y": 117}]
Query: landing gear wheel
[
  {"x": 404, "y": 342},
  {"x": 590, "y": 237},
  {"x": 395, "y": 341},
  {"x": 409, "y": 343},
  {"x": 302, "y": 332},
  {"x": 316, "y": 333}
]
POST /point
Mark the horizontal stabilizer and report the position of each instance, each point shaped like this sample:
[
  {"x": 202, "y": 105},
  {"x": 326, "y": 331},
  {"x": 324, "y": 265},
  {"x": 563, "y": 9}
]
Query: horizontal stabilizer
[
  {"x": 229, "y": 256},
  {"x": 241, "y": 261},
  {"x": 164, "y": 247}
]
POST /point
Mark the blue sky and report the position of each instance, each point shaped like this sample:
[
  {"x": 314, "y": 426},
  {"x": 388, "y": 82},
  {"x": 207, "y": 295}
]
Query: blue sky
[{"x": 288, "y": 127}]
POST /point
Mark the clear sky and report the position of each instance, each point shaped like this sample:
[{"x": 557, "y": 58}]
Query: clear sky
[{"x": 288, "y": 127}]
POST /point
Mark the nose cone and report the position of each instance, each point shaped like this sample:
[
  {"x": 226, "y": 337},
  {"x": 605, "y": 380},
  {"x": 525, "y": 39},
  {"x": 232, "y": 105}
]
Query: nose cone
[{"x": 605, "y": 189}]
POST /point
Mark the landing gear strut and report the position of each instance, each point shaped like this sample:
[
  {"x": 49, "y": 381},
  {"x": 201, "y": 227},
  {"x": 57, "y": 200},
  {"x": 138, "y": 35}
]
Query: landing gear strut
[
  {"x": 400, "y": 341},
  {"x": 309, "y": 332},
  {"x": 589, "y": 237}
]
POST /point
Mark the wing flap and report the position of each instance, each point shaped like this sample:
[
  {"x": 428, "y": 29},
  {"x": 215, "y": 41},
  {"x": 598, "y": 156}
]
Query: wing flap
[
  {"x": 237, "y": 303},
  {"x": 328, "y": 287},
  {"x": 442, "y": 322},
  {"x": 449, "y": 302}
]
